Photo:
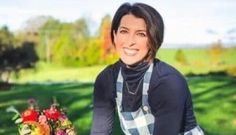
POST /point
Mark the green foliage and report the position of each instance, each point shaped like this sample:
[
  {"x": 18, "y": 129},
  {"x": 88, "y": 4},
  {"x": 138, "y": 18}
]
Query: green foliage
[
  {"x": 47, "y": 33},
  {"x": 70, "y": 45},
  {"x": 16, "y": 59},
  {"x": 12, "y": 57},
  {"x": 19, "y": 57},
  {"x": 6, "y": 37},
  {"x": 67, "y": 44},
  {"x": 91, "y": 54},
  {"x": 180, "y": 57}
]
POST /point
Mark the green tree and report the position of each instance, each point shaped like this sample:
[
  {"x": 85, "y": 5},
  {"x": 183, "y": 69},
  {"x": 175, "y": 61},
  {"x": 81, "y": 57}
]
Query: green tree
[
  {"x": 48, "y": 35},
  {"x": 6, "y": 37},
  {"x": 16, "y": 58},
  {"x": 180, "y": 57},
  {"x": 6, "y": 44}
]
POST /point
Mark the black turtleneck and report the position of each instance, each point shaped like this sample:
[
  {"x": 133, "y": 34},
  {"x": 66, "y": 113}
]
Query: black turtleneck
[
  {"x": 168, "y": 97},
  {"x": 132, "y": 85}
]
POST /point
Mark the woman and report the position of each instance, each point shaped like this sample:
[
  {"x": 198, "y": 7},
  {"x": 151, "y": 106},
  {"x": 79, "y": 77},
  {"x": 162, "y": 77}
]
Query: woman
[{"x": 150, "y": 96}]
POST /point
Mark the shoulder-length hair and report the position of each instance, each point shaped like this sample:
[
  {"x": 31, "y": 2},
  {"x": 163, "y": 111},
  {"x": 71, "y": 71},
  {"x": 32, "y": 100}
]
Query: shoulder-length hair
[{"x": 153, "y": 20}]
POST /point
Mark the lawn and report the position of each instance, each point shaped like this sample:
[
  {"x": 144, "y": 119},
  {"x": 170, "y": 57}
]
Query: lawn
[
  {"x": 214, "y": 97},
  {"x": 197, "y": 58},
  {"x": 214, "y": 100}
]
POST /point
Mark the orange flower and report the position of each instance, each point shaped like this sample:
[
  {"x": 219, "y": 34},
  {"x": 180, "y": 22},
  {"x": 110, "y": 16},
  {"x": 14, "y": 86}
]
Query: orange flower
[
  {"x": 39, "y": 129},
  {"x": 44, "y": 129},
  {"x": 29, "y": 115}
]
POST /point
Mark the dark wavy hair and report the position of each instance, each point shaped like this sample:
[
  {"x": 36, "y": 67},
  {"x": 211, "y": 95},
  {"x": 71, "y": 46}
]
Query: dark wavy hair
[{"x": 153, "y": 20}]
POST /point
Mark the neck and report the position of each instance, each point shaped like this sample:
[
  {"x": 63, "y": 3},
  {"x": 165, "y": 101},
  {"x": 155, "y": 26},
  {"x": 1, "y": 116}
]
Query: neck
[{"x": 148, "y": 61}]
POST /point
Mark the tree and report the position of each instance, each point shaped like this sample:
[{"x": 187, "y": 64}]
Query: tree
[
  {"x": 107, "y": 49},
  {"x": 15, "y": 59},
  {"x": 180, "y": 57},
  {"x": 6, "y": 38},
  {"x": 6, "y": 43},
  {"x": 33, "y": 24},
  {"x": 48, "y": 35},
  {"x": 215, "y": 51}
]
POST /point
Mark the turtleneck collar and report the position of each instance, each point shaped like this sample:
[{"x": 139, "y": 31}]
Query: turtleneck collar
[
  {"x": 133, "y": 84},
  {"x": 134, "y": 73}
]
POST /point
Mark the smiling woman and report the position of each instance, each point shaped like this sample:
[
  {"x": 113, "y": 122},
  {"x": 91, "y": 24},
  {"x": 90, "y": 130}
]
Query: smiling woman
[
  {"x": 150, "y": 96},
  {"x": 131, "y": 40}
]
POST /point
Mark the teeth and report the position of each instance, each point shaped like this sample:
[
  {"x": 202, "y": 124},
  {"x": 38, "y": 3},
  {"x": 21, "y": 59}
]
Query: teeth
[{"x": 130, "y": 52}]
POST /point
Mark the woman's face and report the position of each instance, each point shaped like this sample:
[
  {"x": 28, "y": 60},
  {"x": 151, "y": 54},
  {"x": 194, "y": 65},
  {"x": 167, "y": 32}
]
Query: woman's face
[{"x": 131, "y": 40}]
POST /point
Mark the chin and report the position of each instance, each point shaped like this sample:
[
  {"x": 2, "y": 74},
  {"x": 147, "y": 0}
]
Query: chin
[{"x": 130, "y": 62}]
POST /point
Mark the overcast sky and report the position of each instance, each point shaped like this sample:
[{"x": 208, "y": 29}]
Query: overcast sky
[{"x": 186, "y": 21}]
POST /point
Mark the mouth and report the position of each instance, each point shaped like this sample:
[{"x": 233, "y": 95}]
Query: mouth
[{"x": 130, "y": 52}]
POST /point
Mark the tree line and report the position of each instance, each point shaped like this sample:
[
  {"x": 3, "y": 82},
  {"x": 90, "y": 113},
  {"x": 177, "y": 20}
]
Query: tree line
[{"x": 44, "y": 38}]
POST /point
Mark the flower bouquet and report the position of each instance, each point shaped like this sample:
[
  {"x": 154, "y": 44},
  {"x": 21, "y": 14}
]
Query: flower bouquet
[{"x": 51, "y": 121}]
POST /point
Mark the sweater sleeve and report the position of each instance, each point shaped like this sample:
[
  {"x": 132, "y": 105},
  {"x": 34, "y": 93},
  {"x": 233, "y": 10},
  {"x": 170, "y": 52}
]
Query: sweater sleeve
[
  {"x": 103, "y": 105},
  {"x": 167, "y": 101}
]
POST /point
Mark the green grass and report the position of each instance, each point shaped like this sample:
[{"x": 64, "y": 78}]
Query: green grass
[
  {"x": 214, "y": 100},
  {"x": 197, "y": 54},
  {"x": 199, "y": 61},
  {"x": 214, "y": 97},
  {"x": 47, "y": 72}
]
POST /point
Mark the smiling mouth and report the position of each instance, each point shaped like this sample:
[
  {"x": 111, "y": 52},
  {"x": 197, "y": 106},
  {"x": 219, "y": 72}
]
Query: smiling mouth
[{"x": 130, "y": 52}]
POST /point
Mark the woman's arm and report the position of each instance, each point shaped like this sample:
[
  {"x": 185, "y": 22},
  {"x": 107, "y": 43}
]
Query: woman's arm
[
  {"x": 103, "y": 119},
  {"x": 168, "y": 103},
  {"x": 103, "y": 106}
]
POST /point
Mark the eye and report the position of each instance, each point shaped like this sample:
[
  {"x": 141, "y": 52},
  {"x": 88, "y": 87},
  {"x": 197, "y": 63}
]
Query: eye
[
  {"x": 141, "y": 34},
  {"x": 123, "y": 31}
]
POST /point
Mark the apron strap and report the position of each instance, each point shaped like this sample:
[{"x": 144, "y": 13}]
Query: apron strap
[{"x": 146, "y": 81}]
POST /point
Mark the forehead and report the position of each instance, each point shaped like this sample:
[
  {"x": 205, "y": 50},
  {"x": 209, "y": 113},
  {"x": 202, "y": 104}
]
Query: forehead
[{"x": 132, "y": 22}]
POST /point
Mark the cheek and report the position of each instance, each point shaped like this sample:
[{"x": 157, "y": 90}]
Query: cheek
[
  {"x": 144, "y": 46},
  {"x": 119, "y": 42},
  {"x": 118, "y": 46},
  {"x": 144, "y": 50}
]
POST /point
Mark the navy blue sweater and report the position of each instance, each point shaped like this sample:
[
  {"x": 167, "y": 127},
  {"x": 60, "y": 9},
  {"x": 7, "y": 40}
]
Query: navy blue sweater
[{"x": 169, "y": 99}]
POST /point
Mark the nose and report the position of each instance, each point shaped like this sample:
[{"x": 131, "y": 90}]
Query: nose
[{"x": 131, "y": 40}]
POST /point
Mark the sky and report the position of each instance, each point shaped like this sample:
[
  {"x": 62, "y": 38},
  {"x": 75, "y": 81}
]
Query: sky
[{"x": 195, "y": 22}]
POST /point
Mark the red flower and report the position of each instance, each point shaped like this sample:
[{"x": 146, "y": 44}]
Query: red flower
[
  {"x": 52, "y": 113},
  {"x": 29, "y": 115}
]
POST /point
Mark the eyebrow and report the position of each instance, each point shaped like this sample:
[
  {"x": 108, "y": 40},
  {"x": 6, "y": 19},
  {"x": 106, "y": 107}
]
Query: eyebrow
[{"x": 123, "y": 27}]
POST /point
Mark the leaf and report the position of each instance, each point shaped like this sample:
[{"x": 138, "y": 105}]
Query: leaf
[
  {"x": 15, "y": 116},
  {"x": 18, "y": 121},
  {"x": 12, "y": 109}
]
